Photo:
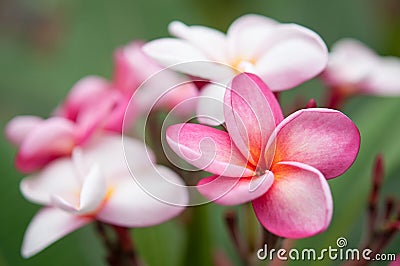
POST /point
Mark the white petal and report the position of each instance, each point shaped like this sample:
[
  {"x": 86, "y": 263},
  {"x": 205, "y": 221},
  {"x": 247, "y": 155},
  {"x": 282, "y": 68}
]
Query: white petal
[
  {"x": 210, "y": 41},
  {"x": 384, "y": 78},
  {"x": 246, "y": 36},
  {"x": 156, "y": 195},
  {"x": 182, "y": 56},
  {"x": 210, "y": 106},
  {"x": 91, "y": 196},
  {"x": 58, "y": 178},
  {"x": 350, "y": 62},
  {"x": 70, "y": 204},
  {"x": 292, "y": 55},
  {"x": 49, "y": 225},
  {"x": 248, "y": 21},
  {"x": 93, "y": 190},
  {"x": 111, "y": 151}
]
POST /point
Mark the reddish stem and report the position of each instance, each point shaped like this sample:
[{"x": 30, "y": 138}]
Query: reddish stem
[
  {"x": 374, "y": 195},
  {"x": 337, "y": 97},
  {"x": 126, "y": 247},
  {"x": 120, "y": 247},
  {"x": 311, "y": 103},
  {"x": 389, "y": 207}
]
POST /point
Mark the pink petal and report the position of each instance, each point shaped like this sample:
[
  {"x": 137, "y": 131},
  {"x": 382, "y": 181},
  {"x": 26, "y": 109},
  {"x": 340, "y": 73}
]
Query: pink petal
[
  {"x": 132, "y": 66},
  {"x": 299, "y": 203},
  {"x": 58, "y": 178},
  {"x": 323, "y": 138},
  {"x": 119, "y": 115},
  {"x": 292, "y": 55},
  {"x": 85, "y": 92},
  {"x": 208, "y": 149},
  {"x": 48, "y": 226},
  {"x": 155, "y": 196},
  {"x": 93, "y": 104},
  {"x": 91, "y": 195},
  {"x": 182, "y": 56},
  {"x": 53, "y": 135},
  {"x": 210, "y": 105},
  {"x": 53, "y": 138},
  {"x": 211, "y": 42},
  {"x": 19, "y": 127},
  {"x": 384, "y": 78},
  {"x": 28, "y": 165},
  {"x": 233, "y": 191},
  {"x": 252, "y": 113},
  {"x": 95, "y": 115},
  {"x": 246, "y": 36},
  {"x": 124, "y": 77}
]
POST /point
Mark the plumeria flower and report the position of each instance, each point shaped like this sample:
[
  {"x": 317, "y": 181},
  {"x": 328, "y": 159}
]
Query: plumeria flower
[
  {"x": 153, "y": 86},
  {"x": 280, "y": 165},
  {"x": 355, "y": 68},
  {"x": 95, "y": 104},
  {"x": 283, "y": 55},
  {"x": 95, "y": 184},
  {"x": 90, "y": 106}
]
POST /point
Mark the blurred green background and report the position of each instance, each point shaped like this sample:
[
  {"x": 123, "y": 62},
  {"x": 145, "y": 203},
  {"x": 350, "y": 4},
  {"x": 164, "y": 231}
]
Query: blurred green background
[{"x": 47, "y": 45}]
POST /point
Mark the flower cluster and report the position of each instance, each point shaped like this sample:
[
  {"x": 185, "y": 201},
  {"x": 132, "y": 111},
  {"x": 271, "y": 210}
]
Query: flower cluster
[
  {"x": 82, "y": 163},
  {"x": 354, "y": 68},
  {"x": 76, "y": 157}
]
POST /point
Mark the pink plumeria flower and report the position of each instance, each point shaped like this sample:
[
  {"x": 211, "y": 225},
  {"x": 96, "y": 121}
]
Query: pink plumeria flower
[
  {"x": 93, "y": 102},
  {"x": 95, "y": 184},
  {"x": 90, "y": 106},
  {"x": 283, "y": 55},
  {"x": 159, "y": 88},
  {"x": 355, "y": 68},
  {"x": 280, "y": 165}
]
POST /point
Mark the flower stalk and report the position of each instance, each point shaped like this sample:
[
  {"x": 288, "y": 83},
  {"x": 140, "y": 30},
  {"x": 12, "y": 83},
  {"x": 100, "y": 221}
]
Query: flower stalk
[
  {"x": 120, "y": 248},
  {"x": 231, "y": 221},
  {"x": 379, "y": 231}
]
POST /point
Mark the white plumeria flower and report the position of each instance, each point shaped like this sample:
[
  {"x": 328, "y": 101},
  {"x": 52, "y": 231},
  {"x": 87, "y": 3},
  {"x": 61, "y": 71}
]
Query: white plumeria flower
[
  {"x": 355, "y": 68},
  {"x": 283, "y": 55},
  {"x": 96, "y": 184}
]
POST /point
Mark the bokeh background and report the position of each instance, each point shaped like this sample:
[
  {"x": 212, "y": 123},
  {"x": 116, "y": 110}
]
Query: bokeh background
[{"x": 47, "y": 45}]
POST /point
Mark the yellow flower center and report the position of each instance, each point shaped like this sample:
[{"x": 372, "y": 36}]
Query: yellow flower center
[{"x": 243, "y": 65}]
